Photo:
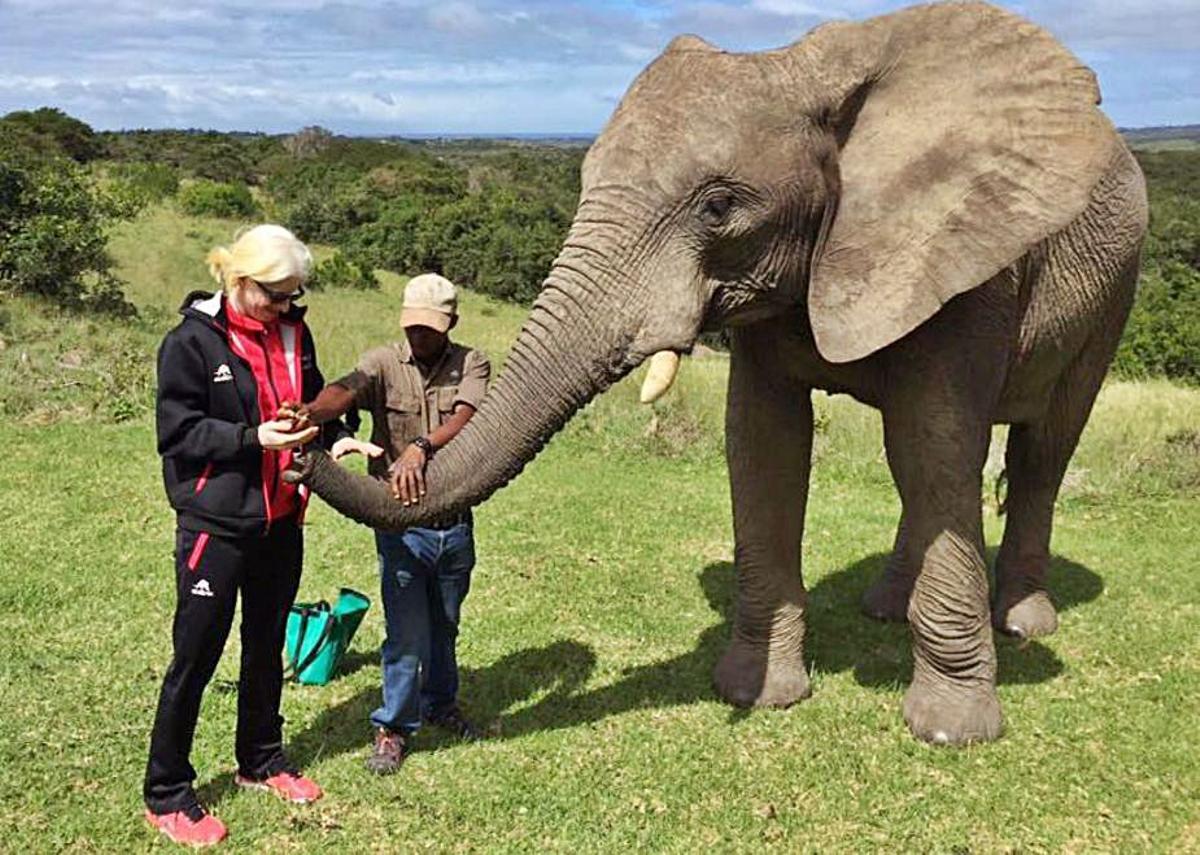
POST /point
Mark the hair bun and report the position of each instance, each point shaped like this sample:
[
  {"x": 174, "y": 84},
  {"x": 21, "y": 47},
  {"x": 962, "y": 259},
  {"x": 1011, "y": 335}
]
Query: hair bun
[{"x": 219, "y": 261}]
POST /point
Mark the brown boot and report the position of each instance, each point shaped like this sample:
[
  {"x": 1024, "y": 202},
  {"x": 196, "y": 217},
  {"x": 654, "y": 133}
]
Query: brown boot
[{"x": 389, "y": 752}]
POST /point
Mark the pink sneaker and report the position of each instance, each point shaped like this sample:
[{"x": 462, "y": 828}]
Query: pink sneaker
[
  {"x": 289, "y": 786},
  {"x": 191, "y": 828}
]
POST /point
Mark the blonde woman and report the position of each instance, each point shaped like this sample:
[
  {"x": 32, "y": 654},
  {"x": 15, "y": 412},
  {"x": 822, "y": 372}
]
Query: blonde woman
[{"x": 223, "y": 374}]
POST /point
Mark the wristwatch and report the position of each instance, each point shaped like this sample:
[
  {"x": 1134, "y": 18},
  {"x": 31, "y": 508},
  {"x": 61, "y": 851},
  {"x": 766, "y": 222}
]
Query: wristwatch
[{"x": 423, "y": 443}]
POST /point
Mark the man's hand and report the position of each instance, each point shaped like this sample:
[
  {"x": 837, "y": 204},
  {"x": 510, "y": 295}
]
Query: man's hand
[
  {"x": 295, "y": 412},
  {"x": 331, "y": 402},
  {"x": 408, "y": 475},
  {"x": 349, "y": 445},
  {"x": 279, "y": 434}
]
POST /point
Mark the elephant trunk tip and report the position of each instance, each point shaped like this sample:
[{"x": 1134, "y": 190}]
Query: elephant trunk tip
[{"x": 300, "y": 470}]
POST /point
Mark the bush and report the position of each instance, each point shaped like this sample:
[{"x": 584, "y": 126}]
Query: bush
[
  {"x": 1162, "y": 337},
  {"x": 54, "y": 225},
  {"x": 340, "y": 272},
  {"x": 149, "y": 182},
  {"x": 325, "y": 203},
  {"x": 217, "y": 199}
]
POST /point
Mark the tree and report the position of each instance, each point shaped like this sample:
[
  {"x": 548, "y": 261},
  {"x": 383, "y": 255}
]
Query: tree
[
  {"x": 54, "y": 129},
  {"x": 308, "y": 141}
]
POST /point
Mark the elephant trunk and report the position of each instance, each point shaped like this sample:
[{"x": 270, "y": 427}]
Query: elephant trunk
[{"x": 560, "y": 361}]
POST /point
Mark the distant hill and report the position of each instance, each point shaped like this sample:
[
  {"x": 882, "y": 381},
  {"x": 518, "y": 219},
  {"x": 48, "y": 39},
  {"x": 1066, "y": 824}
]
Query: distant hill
[{"x": 1171, "y": 136}]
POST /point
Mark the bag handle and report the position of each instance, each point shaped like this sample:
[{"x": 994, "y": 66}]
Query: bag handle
[{"x": 315, "y": 650}]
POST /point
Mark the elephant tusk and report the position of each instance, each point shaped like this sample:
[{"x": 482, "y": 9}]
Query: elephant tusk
[{"x": 663, "y": 367}]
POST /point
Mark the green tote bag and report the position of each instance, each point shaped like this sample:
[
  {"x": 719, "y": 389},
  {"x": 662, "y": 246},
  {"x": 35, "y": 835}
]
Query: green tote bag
[{"x": 318, "y": 635}]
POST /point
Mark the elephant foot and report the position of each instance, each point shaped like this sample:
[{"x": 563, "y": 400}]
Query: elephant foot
[
  {"x": 749, "y": 676},
  {"x": 946, "y": 713},
  {"x": 888, "y": 598},
  {"x": 1031, "y": 616}
]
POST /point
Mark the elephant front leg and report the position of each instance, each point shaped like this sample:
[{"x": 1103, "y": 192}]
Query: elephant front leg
[
  {"x": 952, "y": 698},
  {"x": 768, "y": 449}
]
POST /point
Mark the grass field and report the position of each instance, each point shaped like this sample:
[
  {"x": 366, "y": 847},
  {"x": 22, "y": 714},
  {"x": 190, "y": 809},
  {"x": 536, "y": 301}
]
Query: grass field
[{"x": 601, "y": 600}]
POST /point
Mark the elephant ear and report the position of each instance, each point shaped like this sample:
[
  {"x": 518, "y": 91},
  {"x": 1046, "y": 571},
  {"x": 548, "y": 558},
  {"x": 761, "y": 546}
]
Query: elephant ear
[{"x": 967, "y": 135}]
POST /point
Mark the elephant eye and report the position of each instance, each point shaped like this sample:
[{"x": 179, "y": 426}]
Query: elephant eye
[{"x": 716, "y": 208}]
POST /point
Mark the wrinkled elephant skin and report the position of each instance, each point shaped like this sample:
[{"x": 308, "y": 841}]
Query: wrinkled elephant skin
[{"x": 924, "y": 210}]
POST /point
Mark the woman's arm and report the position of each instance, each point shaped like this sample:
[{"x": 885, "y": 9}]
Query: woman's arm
[{"x": 184, "y": 427}]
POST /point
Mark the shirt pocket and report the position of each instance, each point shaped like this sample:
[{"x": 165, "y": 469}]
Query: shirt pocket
[
  {"x": 403, "y": 418},
  {"x": 446, "y": 397}
]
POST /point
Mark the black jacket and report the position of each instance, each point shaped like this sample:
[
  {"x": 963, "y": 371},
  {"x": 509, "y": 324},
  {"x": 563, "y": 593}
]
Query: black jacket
[{"x": 207, "y": 416}]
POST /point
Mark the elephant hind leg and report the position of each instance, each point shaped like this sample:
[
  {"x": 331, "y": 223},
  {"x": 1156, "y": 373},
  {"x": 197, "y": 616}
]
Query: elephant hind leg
[
  {"x": 1036, "y": 461},
  {"x": 888, "y": 598}
]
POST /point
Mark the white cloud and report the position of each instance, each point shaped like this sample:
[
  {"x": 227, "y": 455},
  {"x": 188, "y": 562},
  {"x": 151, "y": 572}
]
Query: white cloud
[
  {"x": 459, "y": 18},
  {"x": 793, "y": 9},
  {"x": 1119, "y": 24},
  {"x": 422, "y": 65}
]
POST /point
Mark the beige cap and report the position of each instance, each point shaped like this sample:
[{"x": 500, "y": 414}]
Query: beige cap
[{"x": 430, "y": 300}]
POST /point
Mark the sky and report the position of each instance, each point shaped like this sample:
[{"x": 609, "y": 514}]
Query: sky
[{"x": 479, "y": 66}]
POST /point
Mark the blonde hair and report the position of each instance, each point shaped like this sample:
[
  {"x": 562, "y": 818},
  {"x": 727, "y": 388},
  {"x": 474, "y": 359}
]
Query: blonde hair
[{"x": 265, "y": 253}]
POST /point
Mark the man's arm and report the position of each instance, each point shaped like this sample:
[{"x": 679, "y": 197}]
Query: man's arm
[
  {"x": 408, "y": 472},
  {"x": 332, "y": 402}
]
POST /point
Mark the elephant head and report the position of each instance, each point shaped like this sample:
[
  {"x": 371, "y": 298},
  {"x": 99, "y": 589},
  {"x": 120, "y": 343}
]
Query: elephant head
[{"x": 859, "y": 178}]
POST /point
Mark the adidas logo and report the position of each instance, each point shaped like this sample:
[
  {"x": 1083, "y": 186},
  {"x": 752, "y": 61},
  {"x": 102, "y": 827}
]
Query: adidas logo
[
  {"x": 201, "y": 589},
  {"x": 222, "y": 374}
]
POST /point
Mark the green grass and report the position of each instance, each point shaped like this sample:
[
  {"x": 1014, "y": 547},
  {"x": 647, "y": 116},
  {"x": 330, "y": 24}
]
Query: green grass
[{"x": 601, "y": 600}]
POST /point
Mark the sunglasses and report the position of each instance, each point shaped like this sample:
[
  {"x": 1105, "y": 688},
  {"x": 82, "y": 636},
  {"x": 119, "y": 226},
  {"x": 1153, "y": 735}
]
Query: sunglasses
[{"x": 279, "y": 296}]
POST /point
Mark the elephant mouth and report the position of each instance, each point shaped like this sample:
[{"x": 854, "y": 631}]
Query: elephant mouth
[{"x": 732, "y": 306}]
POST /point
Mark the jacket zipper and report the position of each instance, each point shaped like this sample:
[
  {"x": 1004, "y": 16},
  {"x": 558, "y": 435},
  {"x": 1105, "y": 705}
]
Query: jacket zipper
[{"x": 266, "y": 351}]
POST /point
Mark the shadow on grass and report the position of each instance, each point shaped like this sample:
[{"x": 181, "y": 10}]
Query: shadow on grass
[
  {"x": 338, "y": 729},
  {"x": 213, "y": 792},
  {"x": 559, "y": 670},
  {"x": 839, "y": 638},
  {"x": 561, "y": 667},
  {"x": 355, "y": 660}
]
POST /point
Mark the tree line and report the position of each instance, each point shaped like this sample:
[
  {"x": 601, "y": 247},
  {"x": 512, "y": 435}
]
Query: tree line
[{"x": 487, "y": 214}]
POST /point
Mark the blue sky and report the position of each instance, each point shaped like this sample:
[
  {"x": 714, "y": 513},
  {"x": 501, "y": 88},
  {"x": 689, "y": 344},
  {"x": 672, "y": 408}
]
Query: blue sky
[{"x": 478, "y": 66}]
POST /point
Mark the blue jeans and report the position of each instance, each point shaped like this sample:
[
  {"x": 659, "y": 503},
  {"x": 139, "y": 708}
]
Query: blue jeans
[{"x": 425, "y": 574}]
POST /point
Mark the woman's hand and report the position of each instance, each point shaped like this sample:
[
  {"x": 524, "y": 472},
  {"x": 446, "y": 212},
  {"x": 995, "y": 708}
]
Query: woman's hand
[
  {"x": 280, "y": 434},
  {"x": 408, "y": 475},
  {"x": 349, "y": 445}
]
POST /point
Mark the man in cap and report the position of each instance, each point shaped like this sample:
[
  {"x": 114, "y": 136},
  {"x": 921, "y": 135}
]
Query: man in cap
[{"x": 420, "y": 391}]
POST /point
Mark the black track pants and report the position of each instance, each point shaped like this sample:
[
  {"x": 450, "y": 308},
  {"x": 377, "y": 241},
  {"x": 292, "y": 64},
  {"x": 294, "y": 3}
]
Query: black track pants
[{"x": 209, "y": 572}]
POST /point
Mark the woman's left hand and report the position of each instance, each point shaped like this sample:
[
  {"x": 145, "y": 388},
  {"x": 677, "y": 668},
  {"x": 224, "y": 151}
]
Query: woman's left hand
[{"x": 280, "y": 434}]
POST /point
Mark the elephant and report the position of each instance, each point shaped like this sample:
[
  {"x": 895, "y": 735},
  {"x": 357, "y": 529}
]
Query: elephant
[{"x": 925, "y": 210}]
